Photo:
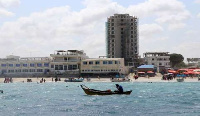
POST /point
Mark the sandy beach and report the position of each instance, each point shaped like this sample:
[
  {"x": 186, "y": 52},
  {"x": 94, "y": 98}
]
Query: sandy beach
[{"x": 157, "y": 78}]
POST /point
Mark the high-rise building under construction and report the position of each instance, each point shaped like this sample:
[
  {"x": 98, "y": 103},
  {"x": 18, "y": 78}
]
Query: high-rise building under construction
[{"x": 122, "y": 38}]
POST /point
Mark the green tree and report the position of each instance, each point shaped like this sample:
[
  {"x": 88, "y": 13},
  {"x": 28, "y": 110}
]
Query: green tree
[
  {"x": 181, "y": 65},
  {"x": 175, "y": 59}
]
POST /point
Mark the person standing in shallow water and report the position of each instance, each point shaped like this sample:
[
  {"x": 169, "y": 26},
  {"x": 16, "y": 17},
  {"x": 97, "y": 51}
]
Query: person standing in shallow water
[{"x": 119, "y": 88}]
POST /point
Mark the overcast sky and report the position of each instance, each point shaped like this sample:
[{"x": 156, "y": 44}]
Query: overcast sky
[{"x": 35, "y": 28}]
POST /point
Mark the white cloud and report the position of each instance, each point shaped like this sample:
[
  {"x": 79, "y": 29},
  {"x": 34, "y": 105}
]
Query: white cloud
[
  {"x": 165, "y": 11},
  {"x": 188, "y": 49},
  {"x": 150, "y": 29},
  {"x": 197, "y": 1},
  {"x": 61, "y": 28},
  {"x": 4, "y": 4},
  {"x": 198, "y": 15},
  {"x": 4, "y": 12},
  {"x": 9, "y": 3}
]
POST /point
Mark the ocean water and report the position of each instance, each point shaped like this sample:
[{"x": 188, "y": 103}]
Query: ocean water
[{"x": 68, "y": 99}]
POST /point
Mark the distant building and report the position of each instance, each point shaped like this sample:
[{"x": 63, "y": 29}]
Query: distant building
[
  {"x": 67, "y": 62},
  {"x": 61, "y": 63},
  {"x": 103, "y": 67},
  {"x": 159, "y": 59},
  {"x": 194, "y": 62},
  {"x": 122, "y": 38},
  {"x": 15, "y": 66}
]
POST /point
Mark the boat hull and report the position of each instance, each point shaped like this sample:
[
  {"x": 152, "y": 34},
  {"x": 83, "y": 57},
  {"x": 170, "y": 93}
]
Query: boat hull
[
  {"x": 99, "y": 92},
  {"x": 180, "y": 80}
]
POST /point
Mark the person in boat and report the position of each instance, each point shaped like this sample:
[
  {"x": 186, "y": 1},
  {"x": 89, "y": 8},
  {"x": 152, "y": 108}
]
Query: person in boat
[{"x": 119, "y": 88}]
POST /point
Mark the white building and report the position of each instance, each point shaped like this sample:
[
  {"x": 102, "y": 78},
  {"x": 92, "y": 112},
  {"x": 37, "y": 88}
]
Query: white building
[
  {"x": 67, "y": 62},
  {"x": 63, "y": 63},
  {"x": 103, "y": 67},
  {"x": 194, "y": 62},
  {"x": 31, "y": 66},
  {"x": 159, "y": 59}
]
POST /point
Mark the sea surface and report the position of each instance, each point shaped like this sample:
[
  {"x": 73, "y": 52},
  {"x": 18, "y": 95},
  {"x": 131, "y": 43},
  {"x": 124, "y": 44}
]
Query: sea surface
[{"x": 68, "y": 99}]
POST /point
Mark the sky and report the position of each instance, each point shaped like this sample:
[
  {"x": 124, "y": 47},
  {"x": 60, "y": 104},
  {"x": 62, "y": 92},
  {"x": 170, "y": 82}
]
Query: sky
[{"x": 36, "y": 28}]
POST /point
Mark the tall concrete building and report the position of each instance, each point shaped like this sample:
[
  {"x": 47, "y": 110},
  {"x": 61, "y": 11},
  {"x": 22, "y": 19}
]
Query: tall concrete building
[{"x": 122, "y": 38}]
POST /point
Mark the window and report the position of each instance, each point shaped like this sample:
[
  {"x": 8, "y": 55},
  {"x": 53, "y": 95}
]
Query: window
[
  {"x": 109, "y": 62},
  {"x": 18, "y": 70},
  {"x": 152, "y": 63},
  {"x": 105, "y": 62},
  {"x": 65, "y": 67},
  {"x": 52, "y": 66},
  {"x": 56, "y": 67},
  {"x": 25, "y": 65},
  {"x": 90, "y": 62},
  {"x": 46, "y": 64},
  {"x": 60, "y": 67},
  {"x": 160, "y": 63},
  {"x": 17, "y": 65},
  {"x": 10, "y": 65},
  {"x": 39, "y": 70},
  {"x": 3, "y": 65},
  {"x": 84, "y": 63},
  {"x": 74, "y": 67},
  {"x": 152, "y": 58},
  {"x": 32, "y": 65},
  {"x": 97, "y": 62},
  {"x": 10, "y": 71},
  {"x": 39, "y": 64},
  {"x": 131, "y": 36},
  {"x": 31, "y": 70},
  {"x": 116, "y": 62},
  {"x": 25, "y": 70},
  {"x": 69, "y": 67}
]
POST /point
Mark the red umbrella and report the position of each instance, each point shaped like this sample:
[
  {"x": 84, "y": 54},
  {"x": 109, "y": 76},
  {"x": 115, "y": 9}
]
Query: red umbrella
[{"x": 150, "y": 72}]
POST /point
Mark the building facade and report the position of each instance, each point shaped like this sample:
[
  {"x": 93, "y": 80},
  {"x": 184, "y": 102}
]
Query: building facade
[
  {"x": 24, "y": 67},
  {"x": 67, "y": 63},
  {"x": 195, "y": 62},
  {"x": 61, "y": 63},
  {"x": 103, "y": 67},
  {"x": 159, "y": 59},
  {"x": 122, "y": 38}
]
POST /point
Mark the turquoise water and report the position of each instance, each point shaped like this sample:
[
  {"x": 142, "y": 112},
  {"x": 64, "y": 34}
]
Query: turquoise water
[{"x": 68, "y": 99}]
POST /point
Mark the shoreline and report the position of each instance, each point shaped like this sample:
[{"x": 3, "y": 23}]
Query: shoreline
[{"x": 140, "y": 79}]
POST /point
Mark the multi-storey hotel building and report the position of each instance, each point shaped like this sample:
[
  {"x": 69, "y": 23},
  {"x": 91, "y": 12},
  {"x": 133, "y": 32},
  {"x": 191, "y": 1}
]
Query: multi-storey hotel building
[{"x": 122, "y": 38}]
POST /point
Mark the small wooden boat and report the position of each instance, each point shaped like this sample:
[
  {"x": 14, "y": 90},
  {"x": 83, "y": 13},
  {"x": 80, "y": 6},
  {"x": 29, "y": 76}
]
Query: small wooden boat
[
  {"x": 74, "y": 80},
  {"x": 1, "y": 91},
  {"x": 180, "y": 80},
  {"x": 119, "y": 80},
  {"x": 89, "y": 91}
]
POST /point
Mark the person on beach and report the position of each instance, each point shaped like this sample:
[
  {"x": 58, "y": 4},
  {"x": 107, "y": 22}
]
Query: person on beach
[{"x": 119, "y": 88}]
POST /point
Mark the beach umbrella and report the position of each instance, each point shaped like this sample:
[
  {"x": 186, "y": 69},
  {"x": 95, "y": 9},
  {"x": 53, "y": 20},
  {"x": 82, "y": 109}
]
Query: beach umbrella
[
  {"x": 150, "y": 72},
  {"x": 186, "y": 73},
  {"x": 141, "y": 72}
]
